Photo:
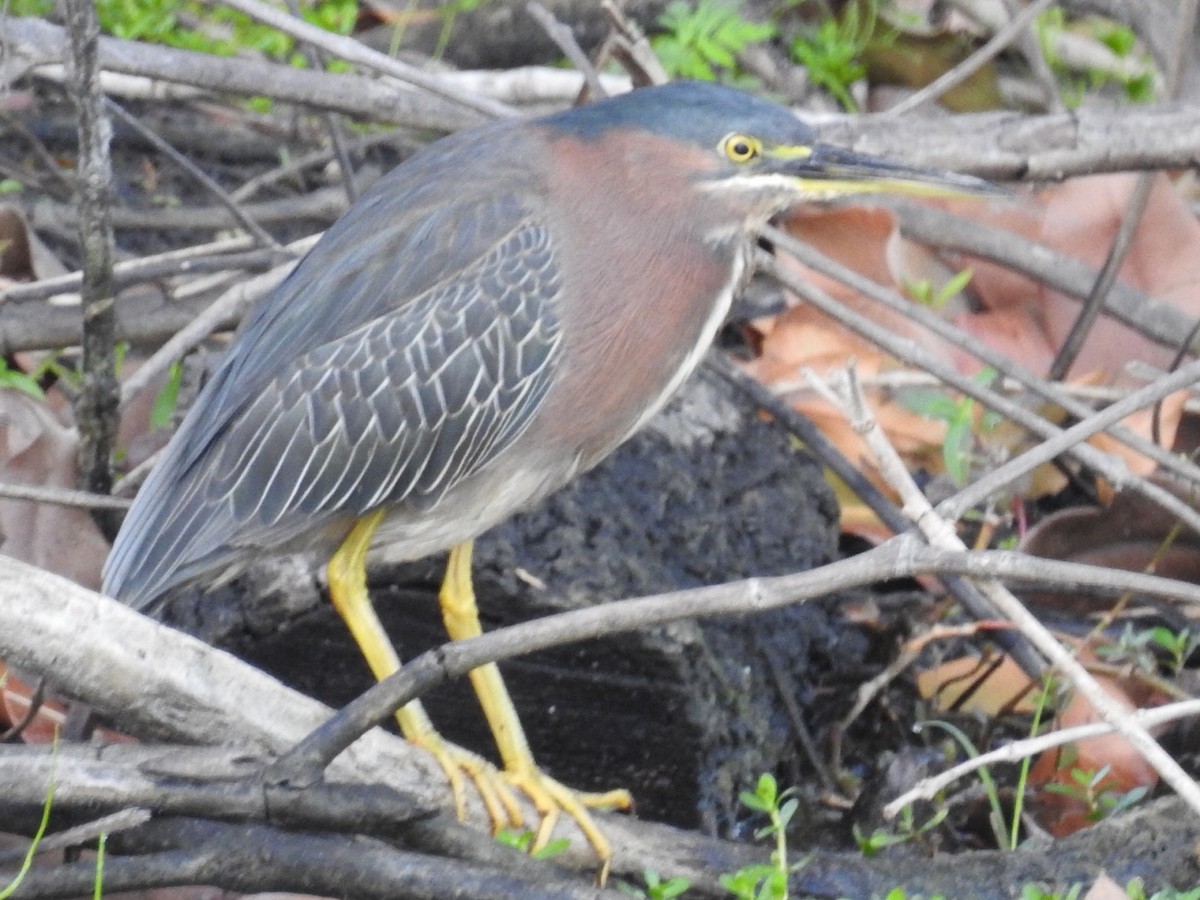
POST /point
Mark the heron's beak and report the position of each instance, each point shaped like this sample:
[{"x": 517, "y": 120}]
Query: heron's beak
[{"x": 824, "y": 172}]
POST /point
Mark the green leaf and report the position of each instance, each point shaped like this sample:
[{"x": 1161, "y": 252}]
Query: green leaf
[
  {"x": 19, "y": 381},
  {"x": 553, "y": 848},
  {"x": 699, "y": 40},
  {"x": 168, "y": 398}
]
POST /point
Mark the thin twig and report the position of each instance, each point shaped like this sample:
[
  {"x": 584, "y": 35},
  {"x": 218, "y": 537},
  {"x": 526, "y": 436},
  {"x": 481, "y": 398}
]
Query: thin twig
[
  {"x": 40, "y": 493},
  {"x": 1094, "y": 305},
  {"x": 130, "y": 271},
  {"x": 902, "y": 556},
  {"x": 333, "y": 127},
  {"x": 940, "y": 533},
  {"x": 1110, "y": 467},
  {"x": 928, "y": 319},
  {"x": 1056, "y": 445},
  {"x": 96, "y": 406},
  {"x": 1015, "y": 751},
  {"x": 197, "y": 173},
  {"x": 564, "y": 38},
  {"x": 231, "y": 304}
]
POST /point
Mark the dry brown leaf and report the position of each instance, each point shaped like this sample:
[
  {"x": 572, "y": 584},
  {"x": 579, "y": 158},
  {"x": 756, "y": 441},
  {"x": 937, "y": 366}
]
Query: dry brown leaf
[
  {"x": 23, "y": 256},
  {"x": 36, "y": 449},
  {"x": 971, "y": 684}
]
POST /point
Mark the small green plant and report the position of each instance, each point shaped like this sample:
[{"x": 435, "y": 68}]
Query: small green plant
[
  {"x": 1040, "y": 892},
  {"x": 167, "y": 400},
  {"x": 19, "y": 381},
  {"x": 1049, "y": 687},
  {"x": 702, "y": 40},
  {"x": 906, "y": 829},
  {"x": 164, "y": 22},
  {"x": 962, "y": 419},
  {"x": 924, "y": 292},
  {"x": 1179, "y": 645},
  {"x": 1117, "y": 37},
  {"x": 1100, "y": 801},
  {"x": 1136, "y": 890},
  {"x": 767, "y": 881},
  {"x": 1137, "y": 647},
  {"x": 522, "y": 840},
  {"x": 832, "y": 53},
  {"x": 10, "y": 186},
  {"x": 9, "y": 889},
  {"x": 656, "y": 888},
  {"x": 899, "y": 893},
  {"x": 98, "y": 882},
  {"x": 995, "y": 809}
]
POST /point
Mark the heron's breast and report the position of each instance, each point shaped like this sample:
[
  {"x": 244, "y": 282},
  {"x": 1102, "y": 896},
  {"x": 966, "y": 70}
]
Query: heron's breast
[{"x": 648, "y": 274}]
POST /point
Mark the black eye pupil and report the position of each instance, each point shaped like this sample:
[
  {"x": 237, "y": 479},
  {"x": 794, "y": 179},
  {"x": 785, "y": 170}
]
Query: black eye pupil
[{"x": 741, "y": 148}]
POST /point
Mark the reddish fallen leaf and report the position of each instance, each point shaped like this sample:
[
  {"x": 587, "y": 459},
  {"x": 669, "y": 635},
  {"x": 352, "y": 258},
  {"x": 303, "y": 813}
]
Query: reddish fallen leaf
[
  {"x": 1077, "y": 784},
  {"x": 1131, "y": 533},
  {"x": 15, "y": 701}
]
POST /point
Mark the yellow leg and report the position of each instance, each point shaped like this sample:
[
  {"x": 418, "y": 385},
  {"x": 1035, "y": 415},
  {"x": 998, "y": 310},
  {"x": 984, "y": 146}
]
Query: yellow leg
[
  {"x": 348, "y": 591},
  {"x": 462, "y": 621}
]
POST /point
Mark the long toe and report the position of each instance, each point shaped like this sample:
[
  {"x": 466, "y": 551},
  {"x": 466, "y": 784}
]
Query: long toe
[
  {"x": 551, "y": 798},
  {"x": 499, "y": 800}
]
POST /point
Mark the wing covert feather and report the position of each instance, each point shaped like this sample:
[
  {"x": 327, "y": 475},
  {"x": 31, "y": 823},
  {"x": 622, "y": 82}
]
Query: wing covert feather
[{"x": 401, "y": 408}]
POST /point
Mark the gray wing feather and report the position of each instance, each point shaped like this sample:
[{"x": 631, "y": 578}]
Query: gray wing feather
[{"x": 400, "y": 409}]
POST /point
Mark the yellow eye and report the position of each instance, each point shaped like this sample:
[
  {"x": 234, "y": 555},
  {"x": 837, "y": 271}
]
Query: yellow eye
[{"x": 741, "y": 148}]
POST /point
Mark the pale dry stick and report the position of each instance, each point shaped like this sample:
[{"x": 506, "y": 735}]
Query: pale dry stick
[
  {"x": 44, "y": 493},
  {"x": 972, "y": 63},
  {"x": 123, "y": 272},
  {"x": 239, "y": 297},
  {"x": 358, "y": 53},
  {"x": 208, "y": 282},
  {"x": 976, "y": 492},
  {"x": 298, "y": 164},
  {"x": 1016, "y": 751},
  {"x": 909, "y": 350},
  {"x": 940, "y": 534}
]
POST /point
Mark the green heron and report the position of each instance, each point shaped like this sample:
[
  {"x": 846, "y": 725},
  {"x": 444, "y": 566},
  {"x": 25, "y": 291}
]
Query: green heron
[{"x": 492, "y": 318}]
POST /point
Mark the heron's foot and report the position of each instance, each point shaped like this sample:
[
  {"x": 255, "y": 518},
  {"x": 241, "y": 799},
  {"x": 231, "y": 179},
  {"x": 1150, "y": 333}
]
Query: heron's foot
[
  {"x": 498, "y": 791},
  {"x": 550, "y": 799},
  {"x": 459, "y": 764}
]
